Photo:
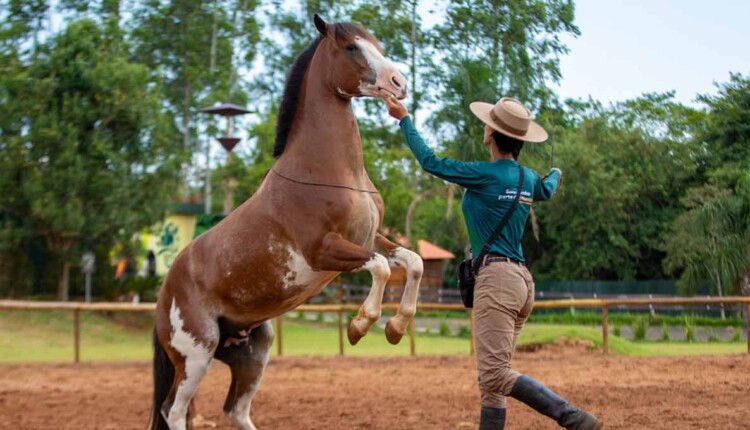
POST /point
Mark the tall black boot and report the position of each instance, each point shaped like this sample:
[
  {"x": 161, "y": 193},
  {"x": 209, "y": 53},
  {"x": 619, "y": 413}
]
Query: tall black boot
[
  {"x": 547, "y": 402},
  {"x": 492, "y": 419}
]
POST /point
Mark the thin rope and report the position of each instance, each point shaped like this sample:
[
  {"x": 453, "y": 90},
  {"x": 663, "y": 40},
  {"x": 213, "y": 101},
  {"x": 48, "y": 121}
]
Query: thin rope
[{"x": 324, "y": 185}]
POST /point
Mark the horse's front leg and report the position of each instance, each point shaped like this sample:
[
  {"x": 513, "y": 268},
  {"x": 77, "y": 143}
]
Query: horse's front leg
[
  {"x": 339, "y": 255},
  {"x": 412, "y": 262}
]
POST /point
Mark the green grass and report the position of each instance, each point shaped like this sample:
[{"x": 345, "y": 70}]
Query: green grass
[{"x": 48, "y": 337}]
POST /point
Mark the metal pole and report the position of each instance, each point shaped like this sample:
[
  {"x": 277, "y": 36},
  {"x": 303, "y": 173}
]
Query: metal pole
[
  {"x": 341, "y": 332},
  {"x": 412, "y": 348},
  {"x": 77, "y": 335},
  {"x": 279, "y": 334},
  {"x": 87, "y": 280},
  {"x": 229, "y": 198},
  {"x": 605, "y": 329}
]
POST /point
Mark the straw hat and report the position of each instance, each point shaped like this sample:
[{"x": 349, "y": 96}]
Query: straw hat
[{"x": 511, "y": 118}]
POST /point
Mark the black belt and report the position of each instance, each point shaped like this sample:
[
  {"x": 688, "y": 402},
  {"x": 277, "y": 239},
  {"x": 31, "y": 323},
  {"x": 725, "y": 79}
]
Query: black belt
[{"x": 494, "y": 258}]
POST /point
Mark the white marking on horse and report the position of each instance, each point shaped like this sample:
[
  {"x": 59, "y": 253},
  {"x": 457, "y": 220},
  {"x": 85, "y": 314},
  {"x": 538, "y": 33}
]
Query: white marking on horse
[
  {"x": 300, "y": 274},
  {"x": 381, "y": 271},
  {"x": 414, "y": 270},
  {"x": 197, "y": 362},
  {"x": 372, "y": 55}
]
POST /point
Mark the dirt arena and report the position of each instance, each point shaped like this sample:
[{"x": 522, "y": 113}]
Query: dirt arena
[{"x": 394, "y": 393}]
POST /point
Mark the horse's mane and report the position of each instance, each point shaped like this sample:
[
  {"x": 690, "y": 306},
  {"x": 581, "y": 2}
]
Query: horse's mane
[{"x": 290, "y": 99}]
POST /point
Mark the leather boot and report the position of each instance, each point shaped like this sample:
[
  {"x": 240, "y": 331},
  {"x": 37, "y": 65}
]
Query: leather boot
[
  {"x": 547, "y": 402},
  {"x": 492, "y": 418}
]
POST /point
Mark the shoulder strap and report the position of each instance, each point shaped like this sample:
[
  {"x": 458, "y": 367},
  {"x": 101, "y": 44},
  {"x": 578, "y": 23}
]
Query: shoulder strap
[{"x": 499, "y": 229}]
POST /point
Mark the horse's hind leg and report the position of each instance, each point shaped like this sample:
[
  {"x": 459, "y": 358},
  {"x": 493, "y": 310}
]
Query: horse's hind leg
[
  {"x": 247, "y": 362},
  {"x": 190, "y": 339}
]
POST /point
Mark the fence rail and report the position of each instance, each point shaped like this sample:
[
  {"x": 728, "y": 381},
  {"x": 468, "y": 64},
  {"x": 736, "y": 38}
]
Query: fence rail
[{"x": 603, "y": 304}]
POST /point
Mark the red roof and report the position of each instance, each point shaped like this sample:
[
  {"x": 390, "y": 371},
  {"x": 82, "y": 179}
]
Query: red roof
[{"x": 430, "y": 251}]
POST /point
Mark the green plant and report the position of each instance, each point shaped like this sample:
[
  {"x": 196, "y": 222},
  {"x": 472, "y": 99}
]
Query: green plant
[
  {"x": 641, "y": 326},
  {"x": 736, "y": 336},
  {"x": 300, "y": 315},
  {"x": 617, "y": 331},
  {"x": 320, "y": 318},
  {"x": 665, "y": 332},
  {"x": 712, "y": 336},
  {"x": 464, "y": 331},
  {"x": 689, "y": 330},
  {"x": 444, "y": 330}
]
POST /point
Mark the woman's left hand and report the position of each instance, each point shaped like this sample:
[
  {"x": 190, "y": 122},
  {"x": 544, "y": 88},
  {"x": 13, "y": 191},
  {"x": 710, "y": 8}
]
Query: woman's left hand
[{"x": 395, "y": 108}]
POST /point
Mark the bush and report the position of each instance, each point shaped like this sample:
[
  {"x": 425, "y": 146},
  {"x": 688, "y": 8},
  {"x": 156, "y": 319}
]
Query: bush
[
  {"x": 712, "y": 336},
  {"x": 689, "y": 330},
  {"x": 665, "y": 333},
  {"x": 464, "y": 331},
  {"x": 445, "y": 330},
  {"x": 641, "y": 326},
  {"x": 617, "y": 330},
  {"x": 736, "y": 336}
]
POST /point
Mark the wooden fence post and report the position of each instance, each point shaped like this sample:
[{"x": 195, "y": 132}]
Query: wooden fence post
[
  {"x": 77, "y": 335},
  {"x": 279, "y": 335},
  {"x": 605, "y": 329},
  {"x": 341, "y": 332},
  {"x": 412, "y": 348},
  {"x": 748, "y": 328},
  {"x": 471, "y": 328}
]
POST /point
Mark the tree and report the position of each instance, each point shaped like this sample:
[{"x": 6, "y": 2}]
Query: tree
[
  {"x": 87, "y": 158},
  {"x": 195, "y": 49},
  {"x": 625, "y": 168},
  {"x": 489, "y": 49},
  {"x": 710, "y": 240}
]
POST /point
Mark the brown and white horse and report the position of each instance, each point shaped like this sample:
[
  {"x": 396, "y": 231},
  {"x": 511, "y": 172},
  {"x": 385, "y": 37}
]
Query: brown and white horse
[{"x": 316, "y": 214}]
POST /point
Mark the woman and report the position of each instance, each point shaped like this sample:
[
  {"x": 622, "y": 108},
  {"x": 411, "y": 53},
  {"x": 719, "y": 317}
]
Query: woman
[{"x": 504, "y": 292}]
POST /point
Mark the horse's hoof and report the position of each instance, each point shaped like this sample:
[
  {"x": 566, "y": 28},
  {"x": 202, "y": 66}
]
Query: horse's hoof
[
  {"x": 393, "y": 336},
  {"x": 353, "y": 334}
]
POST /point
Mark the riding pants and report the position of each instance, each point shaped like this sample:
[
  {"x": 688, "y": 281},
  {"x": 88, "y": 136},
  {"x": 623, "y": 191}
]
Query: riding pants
[{"x": 503, "y": 299}]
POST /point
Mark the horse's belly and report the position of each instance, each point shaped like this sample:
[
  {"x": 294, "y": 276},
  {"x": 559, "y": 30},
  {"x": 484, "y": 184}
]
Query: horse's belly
[{"x": 290, "y": 283}]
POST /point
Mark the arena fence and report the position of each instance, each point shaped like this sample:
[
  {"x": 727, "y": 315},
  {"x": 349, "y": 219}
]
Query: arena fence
[{"x": 341, "y": 309}]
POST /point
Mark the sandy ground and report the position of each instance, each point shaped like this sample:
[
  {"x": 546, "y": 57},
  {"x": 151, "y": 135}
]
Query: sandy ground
[{"x": 394, "y": 393}]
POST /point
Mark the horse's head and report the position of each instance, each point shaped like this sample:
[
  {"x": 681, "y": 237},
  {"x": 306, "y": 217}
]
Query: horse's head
[{"x": 357, "y": 66}]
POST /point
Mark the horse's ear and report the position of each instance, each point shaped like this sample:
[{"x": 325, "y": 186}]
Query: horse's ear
[{"x": 321, "y": 25}]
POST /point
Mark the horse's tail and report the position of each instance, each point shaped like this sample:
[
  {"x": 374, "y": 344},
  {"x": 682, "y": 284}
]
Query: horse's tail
[{"x": 163, "y": 379}]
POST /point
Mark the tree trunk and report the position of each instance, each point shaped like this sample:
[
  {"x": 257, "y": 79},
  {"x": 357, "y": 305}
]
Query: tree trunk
[
  {"x": 745, "y": 286},
  {"x": 415, "y": 101},
  {"x": 64, "y": 286},
  {"x": 721, "y": 294}
]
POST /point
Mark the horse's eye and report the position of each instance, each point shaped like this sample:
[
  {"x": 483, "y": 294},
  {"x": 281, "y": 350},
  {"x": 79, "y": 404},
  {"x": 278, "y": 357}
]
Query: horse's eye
[{"x": 351, "y": 48}]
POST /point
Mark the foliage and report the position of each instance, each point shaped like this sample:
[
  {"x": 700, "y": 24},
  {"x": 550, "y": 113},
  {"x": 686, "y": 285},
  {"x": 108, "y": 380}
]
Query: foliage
[
  {"x": 86, "y": 153},
  {"x": 710, "y": 239},
  {"x": 665, "y": 332},
  {"x": 640, "y": 329},
  {"x": 99, "y": 127}
]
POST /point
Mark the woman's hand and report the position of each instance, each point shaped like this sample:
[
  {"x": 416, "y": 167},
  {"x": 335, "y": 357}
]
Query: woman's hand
[{"x": 395, "y": 108}]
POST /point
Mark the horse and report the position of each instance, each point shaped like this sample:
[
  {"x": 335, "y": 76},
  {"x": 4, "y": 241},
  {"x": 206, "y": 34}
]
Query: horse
[{"x": 316, "y": 214}]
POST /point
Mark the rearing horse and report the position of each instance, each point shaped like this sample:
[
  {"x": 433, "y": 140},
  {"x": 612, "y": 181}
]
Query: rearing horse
[{"x": 316, "y": 214}]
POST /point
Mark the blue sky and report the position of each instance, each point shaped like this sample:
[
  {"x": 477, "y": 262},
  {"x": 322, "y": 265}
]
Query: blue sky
[{"x": 629, "y": 47}]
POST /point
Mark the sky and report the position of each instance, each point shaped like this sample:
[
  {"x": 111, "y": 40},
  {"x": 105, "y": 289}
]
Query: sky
[{"x": 631, "y": 47}]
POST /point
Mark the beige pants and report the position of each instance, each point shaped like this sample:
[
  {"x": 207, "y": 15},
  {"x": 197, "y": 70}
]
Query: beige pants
[{"x": 503, "y": 299}]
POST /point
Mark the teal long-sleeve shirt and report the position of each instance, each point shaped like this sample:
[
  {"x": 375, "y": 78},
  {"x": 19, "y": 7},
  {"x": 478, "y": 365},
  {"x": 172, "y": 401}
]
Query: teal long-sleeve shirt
[{"x": 490, "y": 190}]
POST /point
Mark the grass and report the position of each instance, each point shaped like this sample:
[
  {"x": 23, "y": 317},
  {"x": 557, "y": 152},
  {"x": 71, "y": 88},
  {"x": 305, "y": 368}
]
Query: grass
[{"x": 48, "y": 337}]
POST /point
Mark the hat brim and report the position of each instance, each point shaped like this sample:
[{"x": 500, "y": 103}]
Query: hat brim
[{"x": 535, "y": 133}]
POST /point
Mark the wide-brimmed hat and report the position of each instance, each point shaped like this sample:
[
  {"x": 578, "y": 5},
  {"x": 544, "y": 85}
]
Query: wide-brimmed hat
[{"x": 511, "y": 118}]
